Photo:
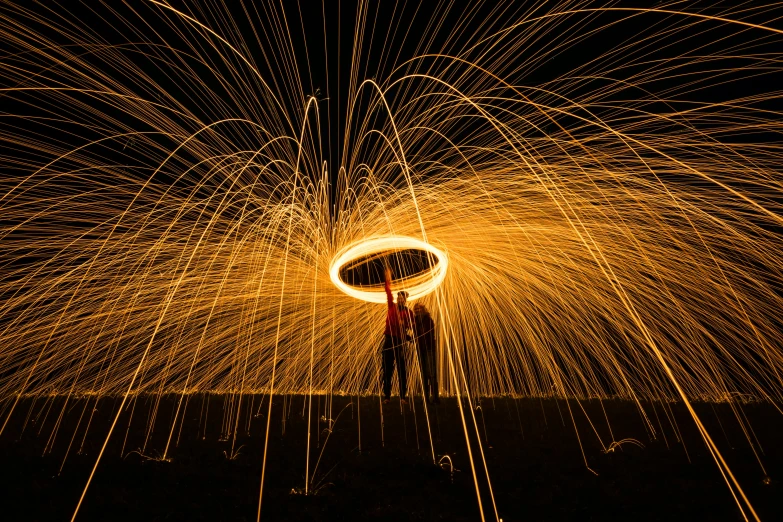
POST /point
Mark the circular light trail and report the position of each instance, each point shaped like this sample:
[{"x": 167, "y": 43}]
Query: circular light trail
[{"x": 417, "y": 285}]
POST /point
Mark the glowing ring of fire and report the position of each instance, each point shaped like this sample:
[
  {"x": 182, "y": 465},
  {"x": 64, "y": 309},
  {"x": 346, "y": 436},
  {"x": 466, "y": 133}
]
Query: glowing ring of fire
[{"x": 417, "y": 285}]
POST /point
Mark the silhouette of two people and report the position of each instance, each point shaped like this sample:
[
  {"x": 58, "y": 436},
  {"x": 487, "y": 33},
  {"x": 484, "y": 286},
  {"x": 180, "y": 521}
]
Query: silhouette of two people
[{"x": 399, "y": 320}]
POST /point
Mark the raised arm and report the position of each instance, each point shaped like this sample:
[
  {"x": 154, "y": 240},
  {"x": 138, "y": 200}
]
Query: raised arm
[{"x": 387, "y": 275}]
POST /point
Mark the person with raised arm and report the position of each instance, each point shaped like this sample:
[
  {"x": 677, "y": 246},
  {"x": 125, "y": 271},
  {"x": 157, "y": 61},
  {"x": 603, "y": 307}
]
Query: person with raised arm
[{"x": 395, "y": 335}]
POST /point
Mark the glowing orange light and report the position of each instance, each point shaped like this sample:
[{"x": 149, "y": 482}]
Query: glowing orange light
[{"x": 417, "y": 285}]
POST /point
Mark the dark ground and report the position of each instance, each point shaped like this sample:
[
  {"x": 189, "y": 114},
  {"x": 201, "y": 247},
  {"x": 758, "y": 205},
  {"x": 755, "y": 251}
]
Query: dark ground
[{"x": 532, "y": 453}]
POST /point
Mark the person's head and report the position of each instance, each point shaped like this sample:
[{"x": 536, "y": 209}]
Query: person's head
[
  {"x": 402, "y": 298},
  {"x": 420, "y": 309}
]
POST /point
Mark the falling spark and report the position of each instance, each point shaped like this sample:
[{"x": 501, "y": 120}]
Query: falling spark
[{"x": 170, "y": 222}]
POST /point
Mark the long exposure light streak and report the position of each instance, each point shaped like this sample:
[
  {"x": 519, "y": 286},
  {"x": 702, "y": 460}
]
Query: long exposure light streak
[
  {"x": 597, "y": 188},
  {"x": 417, "y": 286}
]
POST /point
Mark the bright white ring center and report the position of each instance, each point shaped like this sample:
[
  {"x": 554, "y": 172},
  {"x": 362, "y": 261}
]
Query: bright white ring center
[{"x": 417, "y": 285}]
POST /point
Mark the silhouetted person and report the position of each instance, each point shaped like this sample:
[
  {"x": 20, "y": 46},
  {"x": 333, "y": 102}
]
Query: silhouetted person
[
  {"x": 424, "y": 332},
  {"x": 398, "y": 320}
]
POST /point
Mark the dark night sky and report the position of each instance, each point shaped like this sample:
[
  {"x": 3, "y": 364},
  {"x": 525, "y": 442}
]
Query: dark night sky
[{"x": 326, "y": 48}]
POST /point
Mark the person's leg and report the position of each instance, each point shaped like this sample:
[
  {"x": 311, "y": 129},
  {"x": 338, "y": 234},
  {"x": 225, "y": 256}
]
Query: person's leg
[
  {"x": 433, "y": 375},
  {"x": 423, "y": 367},
  {"x": 387, "y": 355},
  {"x": 399, "y": 353}
]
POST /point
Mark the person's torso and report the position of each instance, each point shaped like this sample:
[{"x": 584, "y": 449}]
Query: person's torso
[
  {"x": 397, "y": 321},
  {"x": 424, "y": 329}
]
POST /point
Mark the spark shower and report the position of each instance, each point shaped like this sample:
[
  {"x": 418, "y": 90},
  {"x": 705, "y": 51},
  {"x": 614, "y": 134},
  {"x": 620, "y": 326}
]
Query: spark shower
[{"x": 601, "y": 186}]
